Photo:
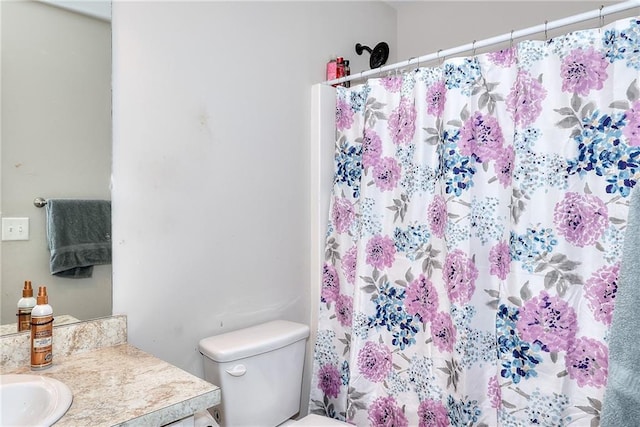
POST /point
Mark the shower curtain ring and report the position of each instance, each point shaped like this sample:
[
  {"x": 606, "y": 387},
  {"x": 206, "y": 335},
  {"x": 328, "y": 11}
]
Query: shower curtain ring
[
  {"x": 473, "y": 48},
  {"x": 409, "y": 61},
  {"x": 546, "y": 35},
  {"x": 601, "y": 17},
  {"x": 511, "y": 40},
  {"x": 438, "y": 56}
]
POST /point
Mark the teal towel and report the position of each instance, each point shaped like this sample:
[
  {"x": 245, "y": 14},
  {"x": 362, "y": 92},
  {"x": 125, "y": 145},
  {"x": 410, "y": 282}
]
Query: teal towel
[
  {"x": 78, "y": 235},
  {"x": 621, "y": 405}
]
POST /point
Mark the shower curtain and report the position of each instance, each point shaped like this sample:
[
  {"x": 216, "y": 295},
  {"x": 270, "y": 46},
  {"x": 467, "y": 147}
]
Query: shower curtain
[{"x": 475, "y": 234}]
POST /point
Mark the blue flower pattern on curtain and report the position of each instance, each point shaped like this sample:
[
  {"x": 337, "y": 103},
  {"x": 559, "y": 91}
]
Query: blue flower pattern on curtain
[{"x": 475, "y": 236}]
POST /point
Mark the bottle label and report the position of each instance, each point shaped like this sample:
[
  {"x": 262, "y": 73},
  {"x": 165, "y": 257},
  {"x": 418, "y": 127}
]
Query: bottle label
[
  {"x": 24, "y": 319},
  {"x": 340, "y": 70},
  {"x": 41, "y": 342},
  {"x": 332, "y": 70}
]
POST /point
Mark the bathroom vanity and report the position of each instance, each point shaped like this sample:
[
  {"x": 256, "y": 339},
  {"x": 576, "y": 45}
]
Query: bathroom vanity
[{"x": 116, "y": 384}]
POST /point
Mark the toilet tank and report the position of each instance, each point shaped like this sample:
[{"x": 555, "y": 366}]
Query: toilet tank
[{"x": 259, "y": 371}]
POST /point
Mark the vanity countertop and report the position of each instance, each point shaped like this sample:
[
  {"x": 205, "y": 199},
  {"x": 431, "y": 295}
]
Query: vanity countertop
[{"x": 124, "y": 386}]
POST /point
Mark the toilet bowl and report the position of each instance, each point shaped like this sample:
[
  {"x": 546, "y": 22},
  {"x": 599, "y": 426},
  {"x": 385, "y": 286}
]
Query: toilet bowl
[{"x": 259, "y": 372}]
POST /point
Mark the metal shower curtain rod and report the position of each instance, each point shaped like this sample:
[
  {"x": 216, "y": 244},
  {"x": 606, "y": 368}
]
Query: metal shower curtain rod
[{"x": 547, "y": 26}]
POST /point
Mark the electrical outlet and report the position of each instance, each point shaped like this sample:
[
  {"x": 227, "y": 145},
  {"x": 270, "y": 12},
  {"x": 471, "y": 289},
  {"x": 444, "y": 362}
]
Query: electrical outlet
[{"x": 15, "y": 228}]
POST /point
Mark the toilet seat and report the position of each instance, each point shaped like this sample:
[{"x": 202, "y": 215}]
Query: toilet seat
[{"x": 313, "y": 420}]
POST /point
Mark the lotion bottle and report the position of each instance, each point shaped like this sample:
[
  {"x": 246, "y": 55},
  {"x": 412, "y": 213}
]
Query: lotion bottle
[
  {"x": 25, "y": 306},
  {"x": 340, "y": 67},
  {"x": 332, "y": 68},
  {"x": 42, "y": 332},
  {"x": 347, "y": 72}
]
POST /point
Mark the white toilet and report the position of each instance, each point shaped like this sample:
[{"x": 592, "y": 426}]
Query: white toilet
[{"x": 259, "y": 371}]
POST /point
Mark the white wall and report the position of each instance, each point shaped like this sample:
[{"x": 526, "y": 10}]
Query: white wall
[{"x": 211, "y": 170}]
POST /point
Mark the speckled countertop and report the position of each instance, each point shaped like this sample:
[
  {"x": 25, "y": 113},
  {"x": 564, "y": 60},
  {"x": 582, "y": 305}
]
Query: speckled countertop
[{"x": 124, "y": 386}]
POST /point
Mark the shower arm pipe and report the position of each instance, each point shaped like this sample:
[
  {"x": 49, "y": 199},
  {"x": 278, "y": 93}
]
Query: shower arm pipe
[{"x": 507, "y": 37}]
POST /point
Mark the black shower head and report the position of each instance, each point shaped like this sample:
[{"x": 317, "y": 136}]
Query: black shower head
[{"x": 379, "y": 54}]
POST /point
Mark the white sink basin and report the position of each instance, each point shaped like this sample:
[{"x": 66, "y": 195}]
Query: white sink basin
[{"x": 32, "y": 400}]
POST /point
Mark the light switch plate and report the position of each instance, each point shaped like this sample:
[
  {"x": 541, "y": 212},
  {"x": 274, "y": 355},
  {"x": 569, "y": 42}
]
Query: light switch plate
[{"x": 15, "y": 228}]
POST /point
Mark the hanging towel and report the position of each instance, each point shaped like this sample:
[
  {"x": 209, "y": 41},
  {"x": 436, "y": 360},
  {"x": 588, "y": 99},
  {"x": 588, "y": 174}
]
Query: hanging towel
[
  {"x": 621, "y": 404},
  {"x": 78, "y": 235}
]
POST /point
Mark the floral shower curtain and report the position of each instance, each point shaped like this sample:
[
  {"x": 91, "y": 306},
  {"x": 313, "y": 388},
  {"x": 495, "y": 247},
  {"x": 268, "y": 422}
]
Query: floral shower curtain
[{"x": 475, "y": 236}]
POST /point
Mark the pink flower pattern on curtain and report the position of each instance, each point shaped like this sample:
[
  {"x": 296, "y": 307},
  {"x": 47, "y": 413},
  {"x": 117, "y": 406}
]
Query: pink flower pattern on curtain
[{"x": 475, "y": 236}]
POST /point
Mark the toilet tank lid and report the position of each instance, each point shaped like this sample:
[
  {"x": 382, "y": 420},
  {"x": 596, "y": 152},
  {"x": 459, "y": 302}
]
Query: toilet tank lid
[{"x": 253, "y": 340}]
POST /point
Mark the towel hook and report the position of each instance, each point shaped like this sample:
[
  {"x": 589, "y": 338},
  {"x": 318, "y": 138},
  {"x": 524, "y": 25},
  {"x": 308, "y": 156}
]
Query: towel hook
[{"x": 39, "y": 202}]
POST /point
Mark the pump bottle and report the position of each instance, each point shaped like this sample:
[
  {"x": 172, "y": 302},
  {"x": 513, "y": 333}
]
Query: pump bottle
[
  {"x": 25, "y": 306},
  {"x": 42, "y": 332}
]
